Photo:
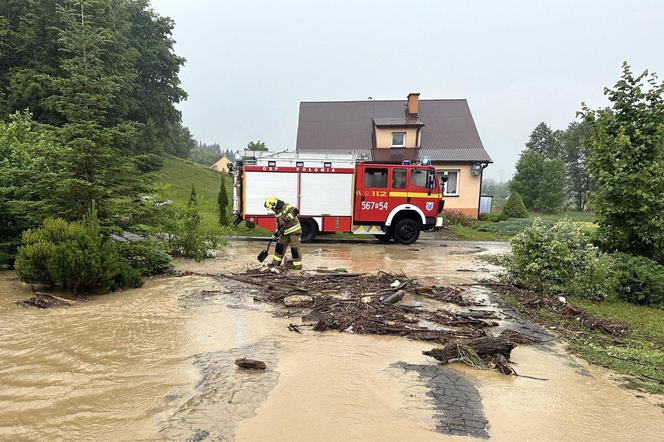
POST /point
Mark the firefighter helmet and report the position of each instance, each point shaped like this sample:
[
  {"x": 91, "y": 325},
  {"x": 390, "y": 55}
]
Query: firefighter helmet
[{"x": 271, "y": 203}]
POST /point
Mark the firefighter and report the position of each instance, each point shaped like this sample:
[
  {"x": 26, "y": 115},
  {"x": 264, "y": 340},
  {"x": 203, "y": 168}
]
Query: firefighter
[{"x": 288, "y": 231}]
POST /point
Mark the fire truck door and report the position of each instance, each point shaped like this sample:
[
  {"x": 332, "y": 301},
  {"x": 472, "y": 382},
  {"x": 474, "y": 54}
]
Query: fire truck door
[
  {"x": 399, "y": 187},
  {"x": 422, "y": 191},
  {"x": 372, "y": 195}
]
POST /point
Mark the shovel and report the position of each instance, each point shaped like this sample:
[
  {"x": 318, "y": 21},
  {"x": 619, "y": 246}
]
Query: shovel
[{"x": 265, "y": 252}]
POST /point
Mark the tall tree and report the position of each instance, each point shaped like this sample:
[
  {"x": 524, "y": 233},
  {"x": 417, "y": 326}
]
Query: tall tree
[
  {"x": 256, "y": 146},
  {"x": 545, "y": 141},
  {"x": 627, "y": 161},
  {"x": 91, "y": 134},
  {"x": 576, "y": 152},
  {"x": 540, "y": 182}
]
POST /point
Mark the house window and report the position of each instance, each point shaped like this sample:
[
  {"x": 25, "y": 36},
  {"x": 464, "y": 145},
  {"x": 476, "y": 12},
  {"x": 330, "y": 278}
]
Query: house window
[
  {"x": 374, "y": 177},
  {"x": 399, "y": 178},
  {"x": 452, "y": 184},
  {"x": 398, "y": 139}
]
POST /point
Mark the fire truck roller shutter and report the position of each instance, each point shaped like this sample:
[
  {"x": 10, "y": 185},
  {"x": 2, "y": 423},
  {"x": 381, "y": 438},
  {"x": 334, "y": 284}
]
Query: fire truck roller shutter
[
  {"x": 410, "y": 207},
  {"x": 261, "y": 185},
  {"x": 326, "y": 194}
]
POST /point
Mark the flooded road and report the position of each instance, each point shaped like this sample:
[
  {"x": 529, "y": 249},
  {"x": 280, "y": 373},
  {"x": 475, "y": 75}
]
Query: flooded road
[{"x": 156, "y": 363}]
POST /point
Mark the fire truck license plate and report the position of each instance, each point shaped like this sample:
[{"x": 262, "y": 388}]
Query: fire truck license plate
[{"x": 371, "y": 205}]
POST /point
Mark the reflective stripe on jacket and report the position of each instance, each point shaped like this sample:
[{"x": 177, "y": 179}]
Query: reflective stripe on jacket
[{"x": 287, "y": 218}]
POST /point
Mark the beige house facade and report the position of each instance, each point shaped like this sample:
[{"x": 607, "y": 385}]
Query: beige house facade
[
  {"x": 440, "y": 131},
  {"x": 221, "y": 165}
]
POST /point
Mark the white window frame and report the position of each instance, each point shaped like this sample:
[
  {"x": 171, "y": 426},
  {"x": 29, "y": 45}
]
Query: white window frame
[
  {"x": 404, "y": 139},
  {"x": 458, "y": 174}
]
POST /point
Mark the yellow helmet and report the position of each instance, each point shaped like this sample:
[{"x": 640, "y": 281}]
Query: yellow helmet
[{"x": 271, "y": 203}]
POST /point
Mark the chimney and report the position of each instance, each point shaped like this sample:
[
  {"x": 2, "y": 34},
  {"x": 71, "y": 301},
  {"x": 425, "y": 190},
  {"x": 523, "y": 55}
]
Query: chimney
[{"x": 413, "y": 104}]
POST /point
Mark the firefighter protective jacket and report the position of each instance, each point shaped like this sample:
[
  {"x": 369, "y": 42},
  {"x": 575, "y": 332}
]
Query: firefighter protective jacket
[{"x": 287, "y": 218}]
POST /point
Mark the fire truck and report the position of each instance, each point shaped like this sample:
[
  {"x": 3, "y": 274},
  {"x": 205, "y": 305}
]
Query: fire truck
[{"x": 340, "y": 193}]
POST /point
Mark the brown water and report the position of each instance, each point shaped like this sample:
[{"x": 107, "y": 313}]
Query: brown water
[{"x": 156, "y": 363}]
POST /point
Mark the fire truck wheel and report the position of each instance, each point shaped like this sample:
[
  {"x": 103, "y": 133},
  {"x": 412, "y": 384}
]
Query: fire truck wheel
[
  {"x": 406, "y": 231},
  {"x": 309, "y": 229}
]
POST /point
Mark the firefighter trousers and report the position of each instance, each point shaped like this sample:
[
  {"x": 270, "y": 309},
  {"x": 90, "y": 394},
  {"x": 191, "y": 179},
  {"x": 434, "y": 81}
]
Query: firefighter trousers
[{"x": 296, "y": 250}]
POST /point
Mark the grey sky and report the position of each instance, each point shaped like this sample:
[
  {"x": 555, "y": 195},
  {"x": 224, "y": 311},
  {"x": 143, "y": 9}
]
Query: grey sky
[{"x": 250, "y": 63}]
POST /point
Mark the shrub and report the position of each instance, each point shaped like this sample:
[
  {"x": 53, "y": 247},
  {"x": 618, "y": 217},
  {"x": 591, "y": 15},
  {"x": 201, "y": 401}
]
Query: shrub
[
  {"x": 514, "y": 208},
  {"x": 86, "y": 263},
  {"x": 493, "y": 217},
  {"x": 638, "y": 280},
  {"x": 73, "y": 256},
  {"x": 147, "y": 257},
  {"x": 455, "y": 217},
  {"x": 187, "y": 238},
  {"x": 38, "y": 245},
  {"x": 558, "y": 259}
]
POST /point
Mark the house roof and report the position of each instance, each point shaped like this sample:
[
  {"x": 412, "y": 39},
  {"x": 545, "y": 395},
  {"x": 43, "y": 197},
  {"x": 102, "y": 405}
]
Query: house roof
[{"x": 448, "y": 134}]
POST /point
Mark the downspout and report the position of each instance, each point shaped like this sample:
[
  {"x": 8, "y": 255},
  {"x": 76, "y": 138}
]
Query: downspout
[{"x": 479, "y": 199}]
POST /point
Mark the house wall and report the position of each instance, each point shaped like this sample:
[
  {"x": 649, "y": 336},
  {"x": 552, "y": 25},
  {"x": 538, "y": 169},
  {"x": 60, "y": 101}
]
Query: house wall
[
  {"x": 469, "y": 187},
  {"x": 384, "y": 136},
  {"x": 221, "y": 165}
]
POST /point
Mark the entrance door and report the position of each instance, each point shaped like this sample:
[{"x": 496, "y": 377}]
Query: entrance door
[{"x": 371, "y": 195}]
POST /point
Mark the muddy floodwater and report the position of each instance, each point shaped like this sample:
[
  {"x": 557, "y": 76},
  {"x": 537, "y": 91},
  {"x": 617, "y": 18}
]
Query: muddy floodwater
[{"x": 156, "y": 363}]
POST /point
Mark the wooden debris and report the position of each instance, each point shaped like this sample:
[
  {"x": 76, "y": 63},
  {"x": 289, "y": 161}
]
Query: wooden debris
[
  {"x": 45, "y": 300},
  {"x": 250, "y": 364}
]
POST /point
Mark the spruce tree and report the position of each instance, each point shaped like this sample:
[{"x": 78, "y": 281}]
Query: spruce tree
[{"x": 222, "y": 202}]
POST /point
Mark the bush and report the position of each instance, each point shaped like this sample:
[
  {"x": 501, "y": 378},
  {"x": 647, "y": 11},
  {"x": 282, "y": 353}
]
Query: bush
[
  {"x": 73, "y": 256},
  {"x": 493, "y": 217},
  {"x": 187, "y": 238},
  {"x": 146, "y": 257},
  {"x": 85, "y": 263},
  {"x": 454, "y": 217},
  {"x": 558, "y": 259},
  {"x": 514, "y": 208},
  {"x": 638, "y": 280}
]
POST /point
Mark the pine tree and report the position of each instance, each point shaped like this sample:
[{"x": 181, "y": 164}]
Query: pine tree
[
  {"x": 222, "y": 202},
  {"x": 87, "y": 89},
  {"x": 514, "y": 207}
]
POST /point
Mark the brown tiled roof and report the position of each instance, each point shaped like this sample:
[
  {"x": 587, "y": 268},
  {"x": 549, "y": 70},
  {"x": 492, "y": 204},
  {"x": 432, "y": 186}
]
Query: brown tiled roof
[{"x": 449, "y": 132}]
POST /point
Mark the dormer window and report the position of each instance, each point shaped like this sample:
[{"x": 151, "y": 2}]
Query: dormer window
[{"x": 398, "y": 139}]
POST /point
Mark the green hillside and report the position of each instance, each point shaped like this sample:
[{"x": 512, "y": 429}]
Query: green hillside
[{"x": 178, "y": 175}]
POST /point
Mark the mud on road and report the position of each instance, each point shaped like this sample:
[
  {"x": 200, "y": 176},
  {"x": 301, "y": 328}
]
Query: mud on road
[{"x": 157, "y": 363}]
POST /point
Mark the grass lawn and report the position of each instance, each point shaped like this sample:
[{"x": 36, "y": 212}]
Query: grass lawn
[{"x": 178, "y": 175}]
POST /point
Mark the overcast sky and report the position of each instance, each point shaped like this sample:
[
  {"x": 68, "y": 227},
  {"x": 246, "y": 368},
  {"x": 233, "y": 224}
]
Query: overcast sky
[{"x": 250, "y": 63}]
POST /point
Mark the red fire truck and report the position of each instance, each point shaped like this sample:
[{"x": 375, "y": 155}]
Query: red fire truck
[{"x": 340, "y": 193}]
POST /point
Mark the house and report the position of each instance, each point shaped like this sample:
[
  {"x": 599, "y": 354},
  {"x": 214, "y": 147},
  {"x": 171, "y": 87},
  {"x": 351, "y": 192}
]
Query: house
[
  {"x": 442, "y": 131},
  {"x": 221, "y": 165}
]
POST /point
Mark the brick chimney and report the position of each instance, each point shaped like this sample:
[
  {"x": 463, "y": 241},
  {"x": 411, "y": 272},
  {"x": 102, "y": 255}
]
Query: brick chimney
[{"x": 413, "y": 104}]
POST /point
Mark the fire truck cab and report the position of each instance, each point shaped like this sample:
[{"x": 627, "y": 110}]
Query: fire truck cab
[{"x": 340, "y": 193}]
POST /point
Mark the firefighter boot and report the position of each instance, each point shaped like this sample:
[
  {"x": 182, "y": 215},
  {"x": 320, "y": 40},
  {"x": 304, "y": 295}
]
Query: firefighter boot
[{"x": 296, "y": 251}]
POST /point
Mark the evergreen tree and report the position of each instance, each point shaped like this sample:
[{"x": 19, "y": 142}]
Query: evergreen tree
[
  {"x": 576, "y": 153},
  {"x": 514, "y": 207},
  {"x": 222, "y": 202},
  {"x": 97, "y": 169}
]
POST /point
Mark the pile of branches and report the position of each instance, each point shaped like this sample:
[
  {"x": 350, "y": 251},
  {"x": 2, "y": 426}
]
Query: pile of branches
[
  {"x": 530, "y": 302},
  {"x": 356, "y": 303}
]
